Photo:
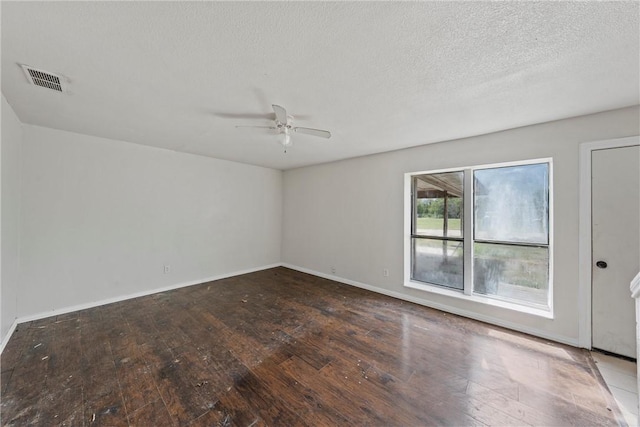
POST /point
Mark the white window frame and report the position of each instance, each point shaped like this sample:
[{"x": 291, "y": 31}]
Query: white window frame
[{"x": 467, "y": 292}]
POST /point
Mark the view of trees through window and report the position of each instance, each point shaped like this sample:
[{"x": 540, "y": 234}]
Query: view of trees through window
[{"x": 430, "y": 214}]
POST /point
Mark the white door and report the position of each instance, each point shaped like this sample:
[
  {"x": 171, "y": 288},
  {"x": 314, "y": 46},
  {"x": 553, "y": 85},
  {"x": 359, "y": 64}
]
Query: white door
[{"x": 615, "y": 199}]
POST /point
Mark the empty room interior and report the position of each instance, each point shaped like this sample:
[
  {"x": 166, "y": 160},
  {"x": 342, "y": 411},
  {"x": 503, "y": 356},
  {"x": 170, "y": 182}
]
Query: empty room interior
[{"x": 319, "y": 213}]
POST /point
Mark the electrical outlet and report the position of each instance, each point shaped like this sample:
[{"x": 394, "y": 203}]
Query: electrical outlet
[
  {"x": 385, "y": 272},
  {"x": 333, "y": 270},
  {"x": 167, "y": 269}
]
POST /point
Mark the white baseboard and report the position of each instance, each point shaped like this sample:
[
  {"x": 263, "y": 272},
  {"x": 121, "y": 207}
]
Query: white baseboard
[
  {"x": 6, "y": 338},
  {"x": 93, "y": 304},
  {"x": 421, "y": 301},
  {"x": 444, "y": 307}
]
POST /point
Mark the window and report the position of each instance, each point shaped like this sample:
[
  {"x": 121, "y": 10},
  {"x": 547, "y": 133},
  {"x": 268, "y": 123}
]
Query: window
[
  {"x": 438, "y": 247},
  {"x": 483, "y": 232}
]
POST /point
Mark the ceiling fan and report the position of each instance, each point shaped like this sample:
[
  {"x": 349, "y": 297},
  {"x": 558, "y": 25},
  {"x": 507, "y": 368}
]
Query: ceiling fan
[{"x": 284, "y": 127}]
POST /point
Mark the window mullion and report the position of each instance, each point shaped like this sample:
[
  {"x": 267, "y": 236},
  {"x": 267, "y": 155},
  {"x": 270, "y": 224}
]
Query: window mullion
[{"x": 467, "y": 228}]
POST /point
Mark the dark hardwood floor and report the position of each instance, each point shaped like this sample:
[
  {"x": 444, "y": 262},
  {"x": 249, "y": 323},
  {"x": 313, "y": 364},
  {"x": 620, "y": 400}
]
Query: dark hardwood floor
[{"x": 283, "y": 348}]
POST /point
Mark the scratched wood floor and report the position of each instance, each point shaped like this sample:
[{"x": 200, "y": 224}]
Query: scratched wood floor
[{"x": 283, "y": 348}]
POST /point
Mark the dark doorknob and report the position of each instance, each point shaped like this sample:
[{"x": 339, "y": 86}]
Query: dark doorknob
[{"x": 601, "y": 264}]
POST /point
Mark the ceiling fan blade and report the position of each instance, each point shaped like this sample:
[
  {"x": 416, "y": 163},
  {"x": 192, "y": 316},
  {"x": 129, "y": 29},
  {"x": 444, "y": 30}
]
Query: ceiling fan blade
[
  {"x": 281, "y": 114},
  {"x": 259, "y": 127},
  {"x": 256, "y": 116},
  {"x": 314, "y": 132}
]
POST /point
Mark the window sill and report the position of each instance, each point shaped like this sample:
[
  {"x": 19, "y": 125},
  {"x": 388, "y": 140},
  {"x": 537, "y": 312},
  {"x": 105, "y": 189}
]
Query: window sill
[{"x": 548, "y": 314}]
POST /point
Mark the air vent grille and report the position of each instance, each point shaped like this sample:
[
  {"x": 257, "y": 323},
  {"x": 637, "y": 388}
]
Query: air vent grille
[{"x": 43, "y": 78}]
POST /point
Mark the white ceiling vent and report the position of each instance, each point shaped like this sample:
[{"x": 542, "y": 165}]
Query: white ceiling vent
[{"x": 43, "y": 78}]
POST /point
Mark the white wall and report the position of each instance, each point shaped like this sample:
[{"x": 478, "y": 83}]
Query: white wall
[
  {"x": 100, "y": 219},
  {"x": 349, "y": 214},
  {"x": 10, "y": 216}
]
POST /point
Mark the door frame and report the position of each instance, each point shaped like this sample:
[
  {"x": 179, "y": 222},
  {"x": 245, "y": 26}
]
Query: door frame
[{"x": 584, "y": 239}]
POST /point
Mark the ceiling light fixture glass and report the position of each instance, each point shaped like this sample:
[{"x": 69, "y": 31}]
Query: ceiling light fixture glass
[{"x": 285, "y": 139}]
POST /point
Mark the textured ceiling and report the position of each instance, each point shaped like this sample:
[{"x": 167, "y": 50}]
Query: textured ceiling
[{"x": 379, "y": 76}]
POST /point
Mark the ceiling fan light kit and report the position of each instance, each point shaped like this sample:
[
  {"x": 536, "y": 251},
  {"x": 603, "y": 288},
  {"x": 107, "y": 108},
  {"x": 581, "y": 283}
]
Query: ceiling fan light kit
[
  {"x": 284, "y": 126},
  {"x": 284, "y": 138}
]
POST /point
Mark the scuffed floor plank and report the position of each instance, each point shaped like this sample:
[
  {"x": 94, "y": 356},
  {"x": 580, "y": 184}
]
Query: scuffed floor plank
[{"x": 279, "y": 347}]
